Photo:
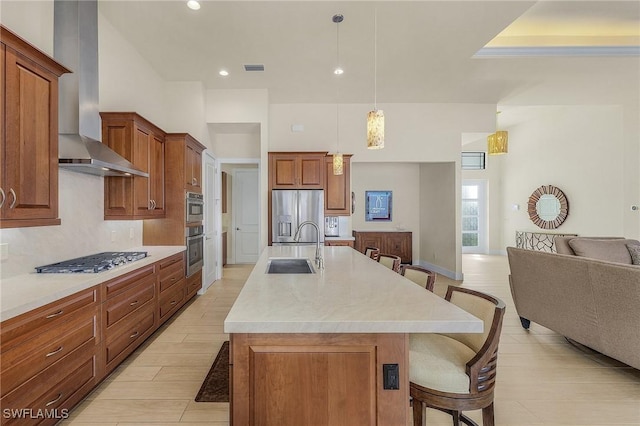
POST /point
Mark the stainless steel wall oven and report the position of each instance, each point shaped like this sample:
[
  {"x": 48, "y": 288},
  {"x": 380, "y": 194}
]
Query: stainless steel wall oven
[
  {"x": 195, "y": 248},
  {"x": 194, "y": 207}
]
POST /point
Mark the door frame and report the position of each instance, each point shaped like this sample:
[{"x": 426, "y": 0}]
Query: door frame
[
  {"x": 231, "y": 257},
  {"x": 216, "y": 217},
  {"x": 483, "y": 217}
]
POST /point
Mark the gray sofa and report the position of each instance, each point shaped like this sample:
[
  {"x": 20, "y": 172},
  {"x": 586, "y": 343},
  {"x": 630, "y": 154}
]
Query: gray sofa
[{"x": 594, "y": 301}]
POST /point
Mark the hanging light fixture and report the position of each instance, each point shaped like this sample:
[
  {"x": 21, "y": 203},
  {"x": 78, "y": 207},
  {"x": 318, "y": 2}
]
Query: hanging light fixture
[
  {"x": 498, "y": 142},
  {"x": 375, "y": 118},
  {"x": 338, "y": 159}
]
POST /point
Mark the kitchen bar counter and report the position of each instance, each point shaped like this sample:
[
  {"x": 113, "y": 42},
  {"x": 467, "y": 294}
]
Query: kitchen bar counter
[
  {"x": 329, "y": 348},
  {"x": 26, "y": 292},
  {"x": 353, "y": 294}
]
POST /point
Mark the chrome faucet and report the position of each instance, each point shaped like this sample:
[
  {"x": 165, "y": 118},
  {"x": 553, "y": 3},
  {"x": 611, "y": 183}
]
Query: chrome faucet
[{"x": 296, "y": 237}]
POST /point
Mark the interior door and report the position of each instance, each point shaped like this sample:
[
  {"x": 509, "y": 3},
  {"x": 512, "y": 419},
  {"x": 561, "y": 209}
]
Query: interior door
[
  {"x": 212, "y": 269},
  {"x": 246, "y": 214}
]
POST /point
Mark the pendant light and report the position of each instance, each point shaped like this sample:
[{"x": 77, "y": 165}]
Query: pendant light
[
  {"x": 498, "y": 142},
  {"x": 375, "y": 118},
  {"x": 338, "y": 159}
]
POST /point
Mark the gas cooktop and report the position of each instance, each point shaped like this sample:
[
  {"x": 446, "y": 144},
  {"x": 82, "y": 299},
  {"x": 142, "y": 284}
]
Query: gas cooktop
[{"x": 93, "y": 263}]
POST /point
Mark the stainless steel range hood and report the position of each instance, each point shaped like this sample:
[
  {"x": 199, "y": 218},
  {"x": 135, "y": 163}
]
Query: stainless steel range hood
[{"x": 75, "y": 44}]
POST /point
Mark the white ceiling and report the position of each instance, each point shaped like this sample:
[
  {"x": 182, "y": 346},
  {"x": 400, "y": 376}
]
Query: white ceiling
[{"x": 424, "y": 48}]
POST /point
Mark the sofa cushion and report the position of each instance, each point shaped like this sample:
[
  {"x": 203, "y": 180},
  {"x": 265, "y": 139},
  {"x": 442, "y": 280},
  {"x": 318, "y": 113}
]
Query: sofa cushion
[
  {"x": 608, "y": 250},
  {"x": 634, "y": 251}
]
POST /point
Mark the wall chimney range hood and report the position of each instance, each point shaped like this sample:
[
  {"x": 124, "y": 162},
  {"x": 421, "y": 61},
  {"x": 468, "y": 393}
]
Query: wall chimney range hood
[{"x": 75, "y": 44}]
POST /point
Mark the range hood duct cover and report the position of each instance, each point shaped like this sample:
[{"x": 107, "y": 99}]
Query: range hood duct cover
[{"x": 75, "y": 44}]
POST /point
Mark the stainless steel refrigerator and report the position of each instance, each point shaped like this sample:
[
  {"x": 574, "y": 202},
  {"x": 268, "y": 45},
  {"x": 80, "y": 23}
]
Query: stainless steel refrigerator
[{"x": 291, "y": 207}]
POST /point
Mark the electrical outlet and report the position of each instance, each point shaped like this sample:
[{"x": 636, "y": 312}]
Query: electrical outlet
[
  {"x": 391, "y": 376},
  {"x": 113, "y": 236},
  {"x": 4, "y": 251}
]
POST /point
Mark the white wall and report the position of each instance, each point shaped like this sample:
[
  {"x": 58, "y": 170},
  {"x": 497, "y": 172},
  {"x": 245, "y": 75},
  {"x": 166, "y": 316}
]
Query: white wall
[
  {"x": 579, "y": 149},
  {"x": 401, "y": 178},
  {"x": 236, "y": 145},
  {"x": 31, "y": 20},
  {"x": 185, "y": 110}
]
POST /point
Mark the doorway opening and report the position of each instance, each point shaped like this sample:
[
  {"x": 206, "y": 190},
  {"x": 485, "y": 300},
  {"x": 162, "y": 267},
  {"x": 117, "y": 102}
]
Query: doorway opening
[{"x": 474, "y": 217}]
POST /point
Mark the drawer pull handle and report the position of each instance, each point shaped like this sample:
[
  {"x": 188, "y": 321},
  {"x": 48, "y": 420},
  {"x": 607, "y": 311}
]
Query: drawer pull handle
[
  {"x": 54, "y": 352},
  {"x": 173, "y": 302},
  {"x": 55, "y": 314},
  {"x": 54, "y": 401},
  {"x": 135, "y": 334},
  {"x": 173, "y": 279},
  {"x": 134, "y": 303}
]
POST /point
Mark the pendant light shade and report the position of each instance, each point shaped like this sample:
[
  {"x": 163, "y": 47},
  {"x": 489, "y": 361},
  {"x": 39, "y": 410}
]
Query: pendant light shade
[
  {"x": 498, "y": 142},
  {"x": 338, "y": 164},
  {"x": 375, "y": 129}
]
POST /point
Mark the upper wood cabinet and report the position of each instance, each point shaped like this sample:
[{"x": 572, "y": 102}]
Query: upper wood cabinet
[
  {"x": 296, "y": 170},
  {"x": 28, "y": 134},
  {"x": 183, "y": 173},
  {"x": 142, "y": 143},
  {"x": 193, "y": 165},
  {"x": 337, "y": 188}
]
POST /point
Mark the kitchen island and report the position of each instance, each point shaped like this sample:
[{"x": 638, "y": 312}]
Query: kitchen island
[{"x": 314, "y": 348}]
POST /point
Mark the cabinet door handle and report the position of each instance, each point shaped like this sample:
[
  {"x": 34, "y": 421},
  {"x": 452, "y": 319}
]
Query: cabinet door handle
[
  {"x": 194, "y": 181},
  {"x": 134, "y": 303},
  {"x": 4, "y": 197},
  {"x": 54, "y": 352},
  {"x": 134, "y": 335},
  {"x": 173, "y": 302},
  {"x": 149, "y": 205},
  {"x": 173, "y": 279},
  {"x": 55, "y": 314},
  {"x": 54, "y": 400},
  {"x": 15, "y": 198},
  {"x": 154, "y": 204}
]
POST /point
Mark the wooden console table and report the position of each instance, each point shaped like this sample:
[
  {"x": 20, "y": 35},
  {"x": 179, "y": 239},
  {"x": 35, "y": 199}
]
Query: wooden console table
[{"x": 391, "y": 242}]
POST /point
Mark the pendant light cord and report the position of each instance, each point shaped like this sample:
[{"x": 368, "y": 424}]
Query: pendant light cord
[{"x": 375, "y": 59}]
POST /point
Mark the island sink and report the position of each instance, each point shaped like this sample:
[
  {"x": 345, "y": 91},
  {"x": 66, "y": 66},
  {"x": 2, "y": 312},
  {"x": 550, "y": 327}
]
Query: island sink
[{"x": 289, "y": 266}]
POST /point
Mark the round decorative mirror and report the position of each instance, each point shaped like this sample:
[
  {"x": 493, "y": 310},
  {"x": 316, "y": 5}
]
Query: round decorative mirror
[{"x": 548, "y": 207}]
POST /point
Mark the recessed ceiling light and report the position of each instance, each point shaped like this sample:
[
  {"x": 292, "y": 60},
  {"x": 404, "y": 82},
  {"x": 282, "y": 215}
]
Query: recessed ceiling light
[
  {"x": 193, "y": 4},
  {"x": 338, "y": 71},
  {"x": 223, "y": 73}
]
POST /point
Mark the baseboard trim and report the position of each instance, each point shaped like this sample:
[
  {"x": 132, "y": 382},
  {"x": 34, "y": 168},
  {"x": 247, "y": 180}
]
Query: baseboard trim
[{"x": 442, "y": 271}]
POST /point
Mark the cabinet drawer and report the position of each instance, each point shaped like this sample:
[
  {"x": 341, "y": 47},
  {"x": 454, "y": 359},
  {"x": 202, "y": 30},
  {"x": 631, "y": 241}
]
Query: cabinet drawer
[
  {"x": 171, "y": 276},
  {"x": 62, "y": 377},
  {"x": 23, "y": 362},
  {"x": 127, "y": 281},
  {"x": 171, "y": 301},
  {"x": 128, "y": 301},
  {"x": 194, "y": 283},
  {"x": 55, "y": 399},
  {"x": 17, "y": 330},
  {"x": 165, "y": 263},
  {"x": 130, "y": 334}
]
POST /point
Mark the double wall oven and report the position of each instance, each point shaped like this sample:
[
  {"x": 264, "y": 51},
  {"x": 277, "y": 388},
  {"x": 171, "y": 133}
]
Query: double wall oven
[{"x": 194, "y": 232}]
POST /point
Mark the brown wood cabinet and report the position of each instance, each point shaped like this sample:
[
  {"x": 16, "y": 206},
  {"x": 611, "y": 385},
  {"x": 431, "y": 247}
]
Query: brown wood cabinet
[
  {"x": 328, "y": 379},
  {"x": 181, "y": 150},
  {"x": 129, "y": 313},
  {"x": 28, "y": 134},
  {"x": 50, "y": 357},
  {"x": 337, "y": 188},
  {"x": 193, "y": 165},
  {"x": 398, "y": 243},
  {"x": 142, "y": 143},
  {"x": 296, "y": 170},
  {"x": 348, "y": 243},
  {"x": 55, "y": 355}
]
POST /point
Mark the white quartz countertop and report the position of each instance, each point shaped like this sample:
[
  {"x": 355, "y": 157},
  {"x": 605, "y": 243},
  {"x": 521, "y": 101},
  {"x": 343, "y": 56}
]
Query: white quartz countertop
[
  {"x": 26, "y": 292},
  {"x": 353, "y": 294}
]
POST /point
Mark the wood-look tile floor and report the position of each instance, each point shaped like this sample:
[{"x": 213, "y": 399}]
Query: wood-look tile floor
[{"x": 542, "y": 379}]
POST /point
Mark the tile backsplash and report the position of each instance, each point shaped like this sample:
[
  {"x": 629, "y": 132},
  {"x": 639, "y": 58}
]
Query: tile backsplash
[{"x": 83, "y": 230}]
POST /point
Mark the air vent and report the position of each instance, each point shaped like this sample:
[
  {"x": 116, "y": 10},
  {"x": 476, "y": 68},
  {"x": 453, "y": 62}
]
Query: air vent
[{"x": 254, "y": 67}]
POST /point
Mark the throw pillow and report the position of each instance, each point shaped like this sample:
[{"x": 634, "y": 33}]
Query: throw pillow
[
  {"x": 608, "y": 250},
  {"x": 634, "y": 251}
]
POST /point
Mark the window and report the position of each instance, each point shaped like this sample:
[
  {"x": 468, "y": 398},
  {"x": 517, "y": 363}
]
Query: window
[{"x": 473, "y": 161}]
